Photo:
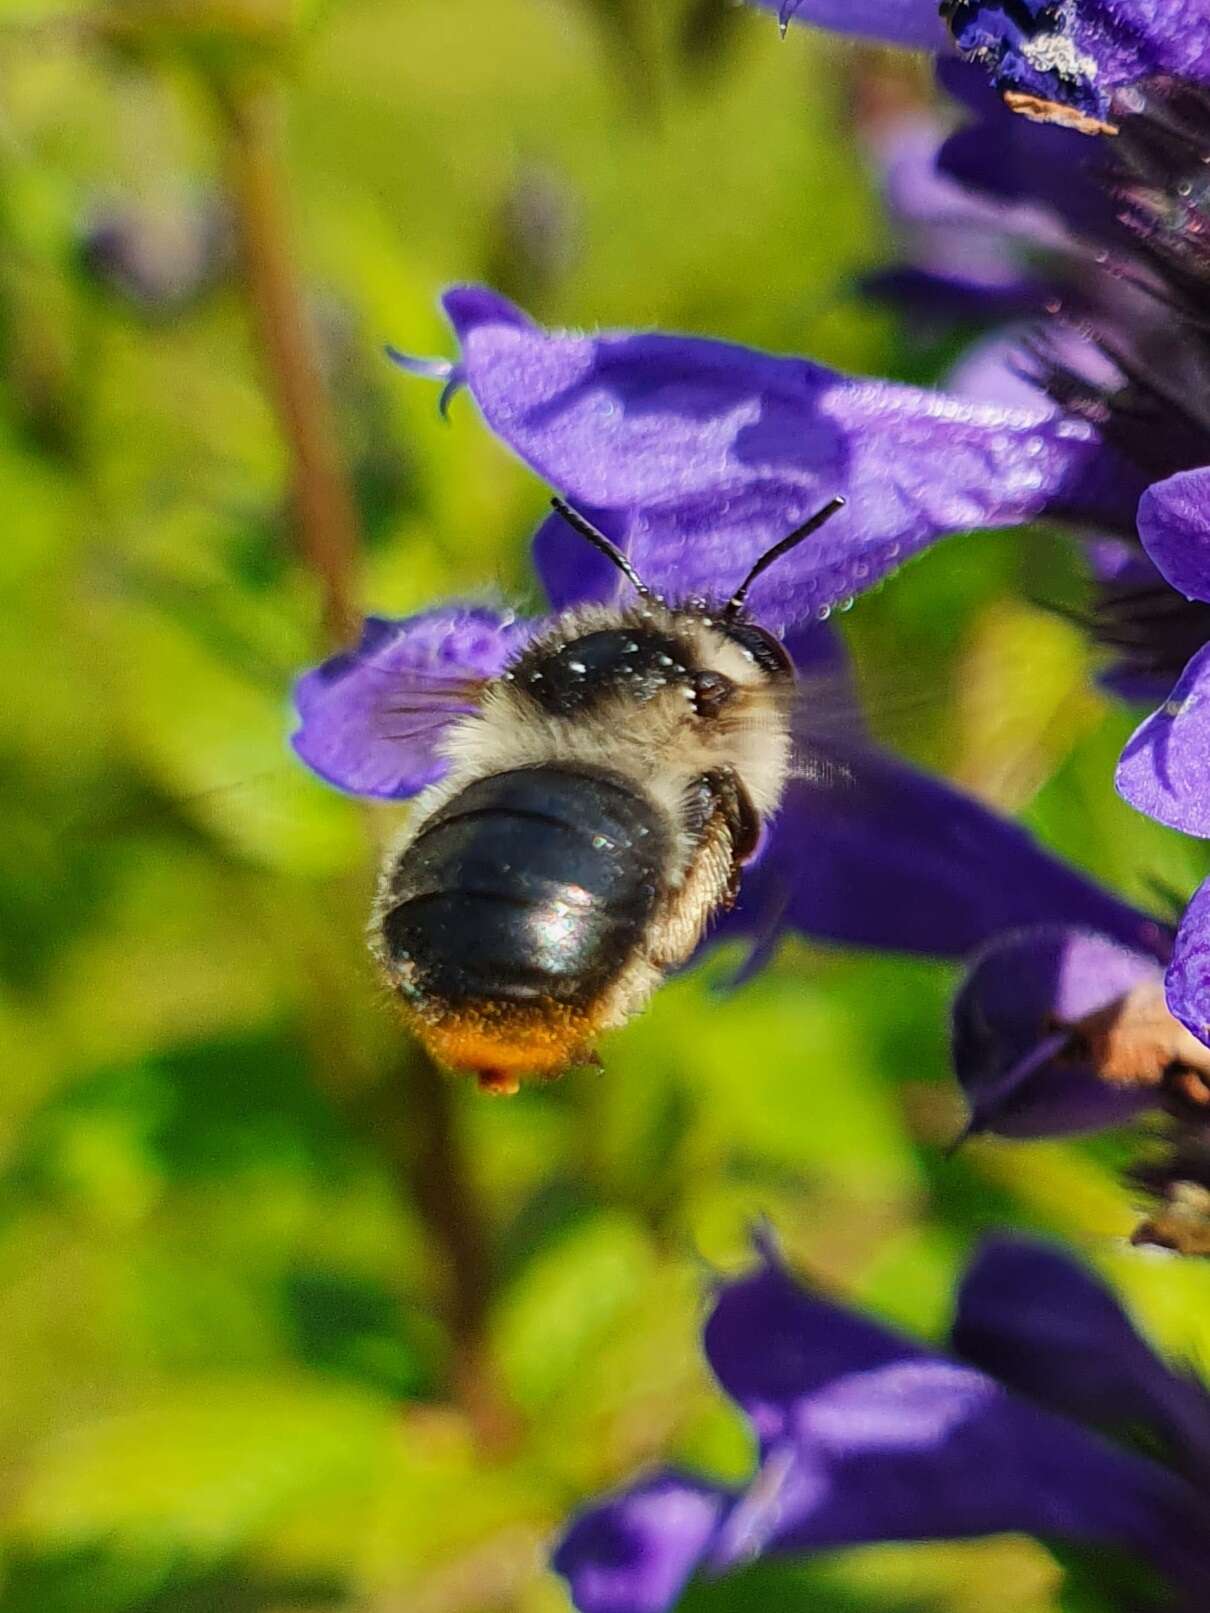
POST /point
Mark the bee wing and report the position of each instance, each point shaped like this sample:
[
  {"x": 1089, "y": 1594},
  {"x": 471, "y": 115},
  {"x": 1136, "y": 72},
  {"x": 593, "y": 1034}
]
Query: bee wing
[
  {"x": 372, "y": 718},
  {"x": 868, "y": 851}
]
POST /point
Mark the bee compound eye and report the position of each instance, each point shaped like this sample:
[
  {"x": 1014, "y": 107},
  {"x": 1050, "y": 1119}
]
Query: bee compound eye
[{"x": 711, "y": 692}]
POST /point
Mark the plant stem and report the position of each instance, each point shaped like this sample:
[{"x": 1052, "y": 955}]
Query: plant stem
[
  {"x": 424, "y": 1135},
  {"x": 416, "y": 1127},
  {"x": 325, "y": 516}
]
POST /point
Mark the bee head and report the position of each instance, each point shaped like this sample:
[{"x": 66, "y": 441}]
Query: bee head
[{"x": 757, "y": 642}]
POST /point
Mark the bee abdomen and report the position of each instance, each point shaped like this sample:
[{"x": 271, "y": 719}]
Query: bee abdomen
[{"x": 527, "y": 886}]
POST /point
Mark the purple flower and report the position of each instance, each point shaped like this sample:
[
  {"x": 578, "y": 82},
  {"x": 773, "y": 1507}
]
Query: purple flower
[
  {"x": 865, "y": 850},
  {"x": 1148, "y": 318},
  {"x": 1165, "y": 767},
  {"x": 1058, "y": 1029},
  {"x": 967, "y": 257},
  {"x": 371, "y": 719},
  {"x": 865, "y": 1436},
  {"x": 1134, "y": 360},
  {"x": 696, "y": 455}
]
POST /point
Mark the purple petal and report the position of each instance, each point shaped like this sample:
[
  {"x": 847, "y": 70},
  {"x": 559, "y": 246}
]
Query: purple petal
[
  {"x": 772, "y": 1344},
  {"x": 1187, "y": 983},
  {"x": 928, "y": 1450},
  {"x": 869, "y": 852},
  {"x": 992, "y": 371},
  {"x": 709, "y": 453},
  {"x": 996, "y": 370},
  {"x": 866, "y": 1437},
  {"x": 570, "y": 570},
  {"x": 1165, "y": 767},
  {"x": 1079, "y": 54},
  {"x": 977, "y": 247},
  {"x": 372, "y": 719},
  {"x": 1010, "y": 1049},
  {"x": 825, "y": 672},
  {"x": 935, "y": 297},
  {"x": 1031, "y": 1317},
  {"x": 634, "y": 1552},
  {"x": 914, "y": 23},
  {"x": 1040, "y": 175},
  {"x": 1174, "y": 525}
]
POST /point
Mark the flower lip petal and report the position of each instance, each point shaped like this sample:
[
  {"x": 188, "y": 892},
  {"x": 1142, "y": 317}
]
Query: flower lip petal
[
  {"x": 1187, "y": 983},
  {"x": 865, "y": 1436},
  {"x": 1174, "y": 526},
  {"x": 633, "y": 1552},
  {"x": 805, "y": 1343},
  {"x": 372, "y": 718},
  {"x": 1033, "y": 1318},
  {"x": 1010, "y": 1051},
  {"x": 868, "y": 851},
  {"x": 709, "y": 453},
  {"x": 927, "y": 1449},
  {"x": 1031, "y": 1098},
  {"x": 1165, "y": 766}
]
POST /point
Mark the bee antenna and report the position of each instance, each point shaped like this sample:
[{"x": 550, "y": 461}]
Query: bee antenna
[
  {"x": 607, "y": 546},
  {"x": 736, "y": 603}
]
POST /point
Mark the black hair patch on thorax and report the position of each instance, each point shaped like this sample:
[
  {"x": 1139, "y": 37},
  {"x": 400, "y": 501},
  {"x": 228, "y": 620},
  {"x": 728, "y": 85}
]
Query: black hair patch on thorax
[{"x": 570, "y": 678}]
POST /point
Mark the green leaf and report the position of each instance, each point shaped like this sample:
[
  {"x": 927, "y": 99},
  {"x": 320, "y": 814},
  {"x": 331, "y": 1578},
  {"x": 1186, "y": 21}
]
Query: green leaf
[
  {"x": 202, "y": 1469},
  {"x": 569, "y": 1298}
]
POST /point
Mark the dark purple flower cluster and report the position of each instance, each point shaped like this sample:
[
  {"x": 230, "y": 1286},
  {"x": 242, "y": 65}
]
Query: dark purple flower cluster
[
  {"x": 1081, "y": 184},
  {"x": 1114, "y": 229},
  {"x": 863, "y": 1435}
]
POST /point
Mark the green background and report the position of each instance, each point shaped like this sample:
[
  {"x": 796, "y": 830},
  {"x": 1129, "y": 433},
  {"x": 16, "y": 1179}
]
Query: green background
[{"x": 284, "y": 1323}]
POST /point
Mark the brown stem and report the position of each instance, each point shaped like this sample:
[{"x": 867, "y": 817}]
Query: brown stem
[
  {"x": 324, "y": 512},
  {"x": 416, "y": 1127},
  {"x": 423, "y": 1135}
]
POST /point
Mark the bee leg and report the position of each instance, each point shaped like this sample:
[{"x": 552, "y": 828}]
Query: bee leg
[
  {"x": 732, "y": 806},
  {"x": 725, "y": 829}
]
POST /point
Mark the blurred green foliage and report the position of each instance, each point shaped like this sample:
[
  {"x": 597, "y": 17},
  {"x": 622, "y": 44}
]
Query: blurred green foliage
[{"x": 283, "y": 1326}]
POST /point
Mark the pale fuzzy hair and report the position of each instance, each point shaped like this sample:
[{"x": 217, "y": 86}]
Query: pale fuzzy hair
[{"x": 657, "y": 746}]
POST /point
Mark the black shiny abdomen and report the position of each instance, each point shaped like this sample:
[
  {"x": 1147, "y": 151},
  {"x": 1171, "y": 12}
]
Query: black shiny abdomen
[{"x": 529, "y": 884}]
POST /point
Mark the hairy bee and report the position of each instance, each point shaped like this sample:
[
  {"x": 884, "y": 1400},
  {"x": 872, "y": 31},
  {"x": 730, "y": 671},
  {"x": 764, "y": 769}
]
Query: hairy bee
[{"x": 601, "y": 799}]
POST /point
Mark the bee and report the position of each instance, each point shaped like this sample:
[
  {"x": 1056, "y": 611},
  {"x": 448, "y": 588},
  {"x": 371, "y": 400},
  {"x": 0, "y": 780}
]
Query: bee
[{"x": 602, "y": 797}]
